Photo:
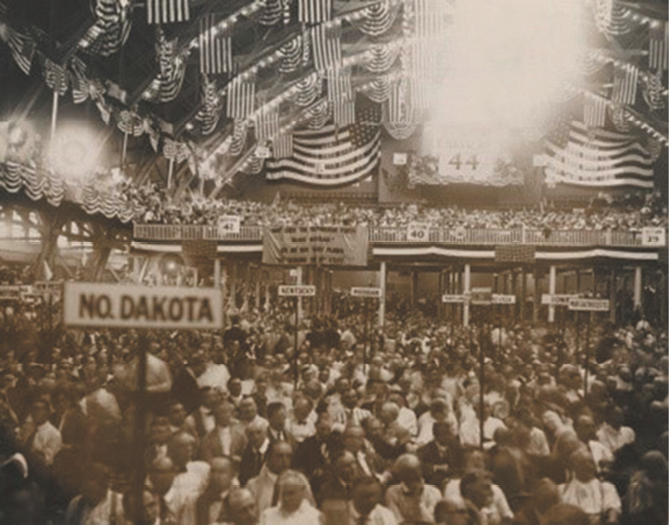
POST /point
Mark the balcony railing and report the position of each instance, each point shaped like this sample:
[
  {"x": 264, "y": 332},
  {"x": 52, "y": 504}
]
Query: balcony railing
[{"x": 459, "y": 236}]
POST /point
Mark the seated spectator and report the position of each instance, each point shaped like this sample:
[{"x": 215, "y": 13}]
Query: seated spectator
[
  {"x": 97, "y": 504},
  {"x": 222, "y": 479},
  {"x": 365, "y": 505},
  {"x": 279, "y": 457},
  {"x": 293, "y": 506},
  {"x": 411, "y": 500},
  {"x": 227, "y": 439}
]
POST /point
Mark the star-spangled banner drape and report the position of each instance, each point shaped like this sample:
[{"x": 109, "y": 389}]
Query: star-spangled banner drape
[
  {"x": 598, "y": 158},
  {"x": 326, "y": 42}
]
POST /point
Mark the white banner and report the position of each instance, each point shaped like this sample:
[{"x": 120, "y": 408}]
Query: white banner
[
  {"x": 557, "y": 300},
  {"x": 452, "y": 298},
  {"x": 581, "y": 304},
  {"x": 503, "y": 299},
  {"x": 101, "y": 305}
]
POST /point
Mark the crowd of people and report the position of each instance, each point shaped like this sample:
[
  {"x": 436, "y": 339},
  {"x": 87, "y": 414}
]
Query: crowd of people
[
  {"x": 424, "y": 422},
  {"x": 631, "y": 214}
]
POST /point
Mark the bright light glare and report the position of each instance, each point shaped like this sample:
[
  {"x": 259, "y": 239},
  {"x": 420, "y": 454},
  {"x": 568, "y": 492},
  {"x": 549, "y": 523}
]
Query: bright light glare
[
  {"x": 75, "y": 151},
  {"x": 504, "y": 61}
]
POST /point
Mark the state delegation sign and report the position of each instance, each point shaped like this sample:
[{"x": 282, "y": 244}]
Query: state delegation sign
[{"x": 95, "y": 305}]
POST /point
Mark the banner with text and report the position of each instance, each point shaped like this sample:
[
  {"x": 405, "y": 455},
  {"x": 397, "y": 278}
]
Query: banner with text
[{"x": 315, "y": 245}]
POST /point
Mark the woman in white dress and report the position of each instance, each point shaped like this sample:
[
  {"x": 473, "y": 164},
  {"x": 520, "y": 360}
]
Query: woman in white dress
[{"x": 293, "y": 506}]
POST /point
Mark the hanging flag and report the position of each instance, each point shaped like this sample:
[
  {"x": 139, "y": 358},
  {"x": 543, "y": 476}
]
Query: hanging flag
[
  {"x": 343, "y": 112},
  {"x": 340, "y": 86},
  {"x": 56, "y": 77},
  {"x": 314, "y": 11},
  {"x": 238, "y": 137},
  {"x": 308, "y": 89},
  {"x": 378, "y": 17},
  {"x": 625, "y": 78},
  {"x": 210, "y": 112},
  {"x": 291, "y": 55},
  {"x": 22, "y": 48},
  {"x": 241, "y": 98},
  {"x": 267, "y": 122},
  {"x": 215, "y": 45},
  {"x": 658, "y": 46},
  {"x": 318, "y": 115},
  {"x": 282, "y": 146},
  {"x": 398, "y": 109},
  {"x": 599, "y": 158},
  {"x": 271, "y": 13},
  {"x": 594, "y": 110},
  {"x": 330, "y": 156},
  {"x": 326, "y": 40},
  {"x": 167, "y": 11}
]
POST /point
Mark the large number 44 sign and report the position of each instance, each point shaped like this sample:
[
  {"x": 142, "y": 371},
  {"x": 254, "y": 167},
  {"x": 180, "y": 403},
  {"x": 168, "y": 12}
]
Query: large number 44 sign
[{"x": 459, "y": 161}]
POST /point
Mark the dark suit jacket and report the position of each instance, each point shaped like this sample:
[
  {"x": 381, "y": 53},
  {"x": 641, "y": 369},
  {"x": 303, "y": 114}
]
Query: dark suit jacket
[
  {"x": 251, "y": 463},
  {"x": 211, "y": 445},
  {"x": 309, "y": 456},
  {"x": 331, "y": 487},
  {"x": 430, "y": 456}
]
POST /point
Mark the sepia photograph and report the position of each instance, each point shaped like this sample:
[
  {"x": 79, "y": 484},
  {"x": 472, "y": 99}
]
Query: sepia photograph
[{"x": 334, "y": 262}]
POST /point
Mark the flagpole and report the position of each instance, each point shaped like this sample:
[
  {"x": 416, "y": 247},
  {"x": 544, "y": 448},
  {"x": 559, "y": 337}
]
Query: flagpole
[
  {"x": 124, "y": 149},
  {"x": 54, "y": 113},
  {"x": 170, "y": 171}
]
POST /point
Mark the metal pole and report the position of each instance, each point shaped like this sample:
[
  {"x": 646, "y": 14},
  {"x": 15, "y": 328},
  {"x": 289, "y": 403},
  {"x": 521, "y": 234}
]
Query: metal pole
[
  {"x": 587, "y": 353},
  {"x": 366, "y": 349},
  {"x": 481, "y": 385},
  {"x": 140, "y": 431},
  {"x": 295, "y": 304}
]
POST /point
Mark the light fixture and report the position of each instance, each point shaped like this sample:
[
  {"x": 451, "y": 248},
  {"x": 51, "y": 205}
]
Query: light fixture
[{"x": 75, "y": 151}]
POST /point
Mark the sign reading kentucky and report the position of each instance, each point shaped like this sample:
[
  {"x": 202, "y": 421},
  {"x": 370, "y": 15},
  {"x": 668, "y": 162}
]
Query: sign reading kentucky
[
  {"x": 94, "y": 305},
  {"x": 315, "y": 245}
]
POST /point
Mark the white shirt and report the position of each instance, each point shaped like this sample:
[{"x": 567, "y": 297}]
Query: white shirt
[
  {"x": 499, "y": 505},
  {"x": 262, "y": 488},
  {"x": 186, "y": 489},
  {"x": 470, "y": 431},
  {"x": 108, "y": 511},
  {"x": 47, "y": 441},
  {"x": 593, "y": 497},
  {"x": 425, "y": 423},
  {"x": 614, "y": 440},
  {"x": 407, "y": 419},
  {"x": 226, "y": 439},
  {"x": 215, "y": 376},
  {"x": 599, "y": 453},
  {"x": 302, "y": 430},
  {"x": 305, "y": 514},
  {"x": 378, "y": 515}
]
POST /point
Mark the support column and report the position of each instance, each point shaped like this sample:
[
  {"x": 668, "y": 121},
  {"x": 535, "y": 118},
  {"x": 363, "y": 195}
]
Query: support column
[
  {"x": 663, "y": 297},
  {"x": 383, "y": 270},
  {"x": 467, "y": 276},
  {"x": 521, "y": 296},
  {"x": 258, "y": 280},
  {"x": 233, "y": 286},
  {"x": 612, "y": 295},
  {"x": 300, "y": 278},
  {"x": 440, "y": 304},
  {"x": 638, "y": 284},
  {"x": 414, "y": 288},
  {"x": 514, "y": 290},
  {"x": 537, "y": 297},
  {"x": 217, "y": 273},
  {"x": 552, "y": 276}
]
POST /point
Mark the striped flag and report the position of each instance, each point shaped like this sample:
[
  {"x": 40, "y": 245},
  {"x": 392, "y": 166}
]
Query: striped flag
[
  {"x": 599, "y": 158},
  {"x": 22, "y": 48},
  {"x": 282, "y": 146},
  {"x": 172, "y": 68},
  {"x": 343, "y": 112},
  {"x": 339, "y": 85},
  {"x": 330, "y": 156},
  {"x": 267, "y": 122},
  {"x": 111, "y": 28},
  {"x": 625, "y": 78},
  {"x": 167, "y": 11},
  {"x": 326, "y": 41},
  {"x": 398, "y": 109},
  {"x": 210, "y": 111},
  {"x": 658, "y": 46},
  {"x": 215, "y": 46},
  {"x": 241, "y": 98},
  {"x": 594, "y": 110},
  {"x": 314, "y": 11}
]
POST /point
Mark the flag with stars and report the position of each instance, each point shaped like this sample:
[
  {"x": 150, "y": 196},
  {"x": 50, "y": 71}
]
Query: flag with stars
[{"x": 333, "y": 156}]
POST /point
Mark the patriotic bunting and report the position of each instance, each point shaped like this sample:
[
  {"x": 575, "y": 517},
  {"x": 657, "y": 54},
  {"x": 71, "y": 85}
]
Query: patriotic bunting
[
  {"x": 167, "y": 11},
  {"x": 379, "y": 17},
  {"x": 400, "y": 131},
  {"x": 382, "y": 57},
  {"x": 612, "y": 18},
  {"x": 652, "y": 90},
  {"x": 308, "y": 90},
  {"x": 314, "y": 11},
  {"x": 658, "y": 46},
  {"x": 317, "y": 116},
  {"x": 599, "y": 158},
  {"x": 241, "y": 98},
  {"x": 291, "y": 55},
  {"x": 625, "y": 80},
  {"x": 379, "y": 89},
  {"x": 215, "y": 46},
  {"x": 175, "y": 151},
  {"x": 210, "y": 112},
  {"x": 130, "y": 123},
  {"x": 330, "y": 156},
  {"x": 111, "y": 28},
  {"x": 82, "y": 87},
  {"x": 271, "y": 13},
  {"x": 398, "y": 109},
  {"x": 594, "y": 110},
  {"x": 21, "y": 46},
  {"x": 56, "y": 77},
  {"x": 326, "y": 41},
  {"x": 619, "y": 118},
  {"x": 172, "y": 68},
  {"x": 239, "y": 134}
]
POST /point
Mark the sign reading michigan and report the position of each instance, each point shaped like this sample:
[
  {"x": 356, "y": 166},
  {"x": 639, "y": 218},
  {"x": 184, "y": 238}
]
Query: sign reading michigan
[{"x": 96, "y": 305}]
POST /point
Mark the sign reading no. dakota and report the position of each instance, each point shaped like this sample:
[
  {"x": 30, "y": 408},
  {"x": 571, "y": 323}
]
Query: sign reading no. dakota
[{"x": 93, "y": 305}]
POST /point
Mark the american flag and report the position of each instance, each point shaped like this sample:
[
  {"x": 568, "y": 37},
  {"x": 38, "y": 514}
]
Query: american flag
[
  {"x": 326, "y": 41},
  {"x": 625, "y": 78},
  {"x": 210, "y": 111},
  {"x": 594, "y": 110},
  {"x": 267, "y": 122},
  {"x": 241, "y": 98},
  {"x": 330, "y": 156},
  {"x": 167, "y": 11},
  {"x": 111, "y": 28},
  {"x": 343, "y": 112},
  {"x": 282, "y": 146},
  {"x": 22, "y": 48},
  {"x": 598, "y": 158},
  {"x": 399, "y": 109},
  {"x": 658, "y": 46},
  {"x": 314, "y": 11},
  {"x": 56, "y": 77},
  {"x": 172, "y": 68},
  {"x": 215, "y": 46},
  {"x": 339, "y": 85}
]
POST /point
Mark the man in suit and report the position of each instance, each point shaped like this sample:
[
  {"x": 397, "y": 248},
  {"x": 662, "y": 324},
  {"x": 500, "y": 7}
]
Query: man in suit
[
  {"x": 227, "y": 439},
  {"x": 369, "y": 462},
  {"x": 210, "y": 508},
  {"x": 276, "y": 415},
  {"x": 255, "y": 452},
  {"x": 440, "y": 457},
  {"x": 338, "y": 481},
  {"x": 313, "y": 454}
]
